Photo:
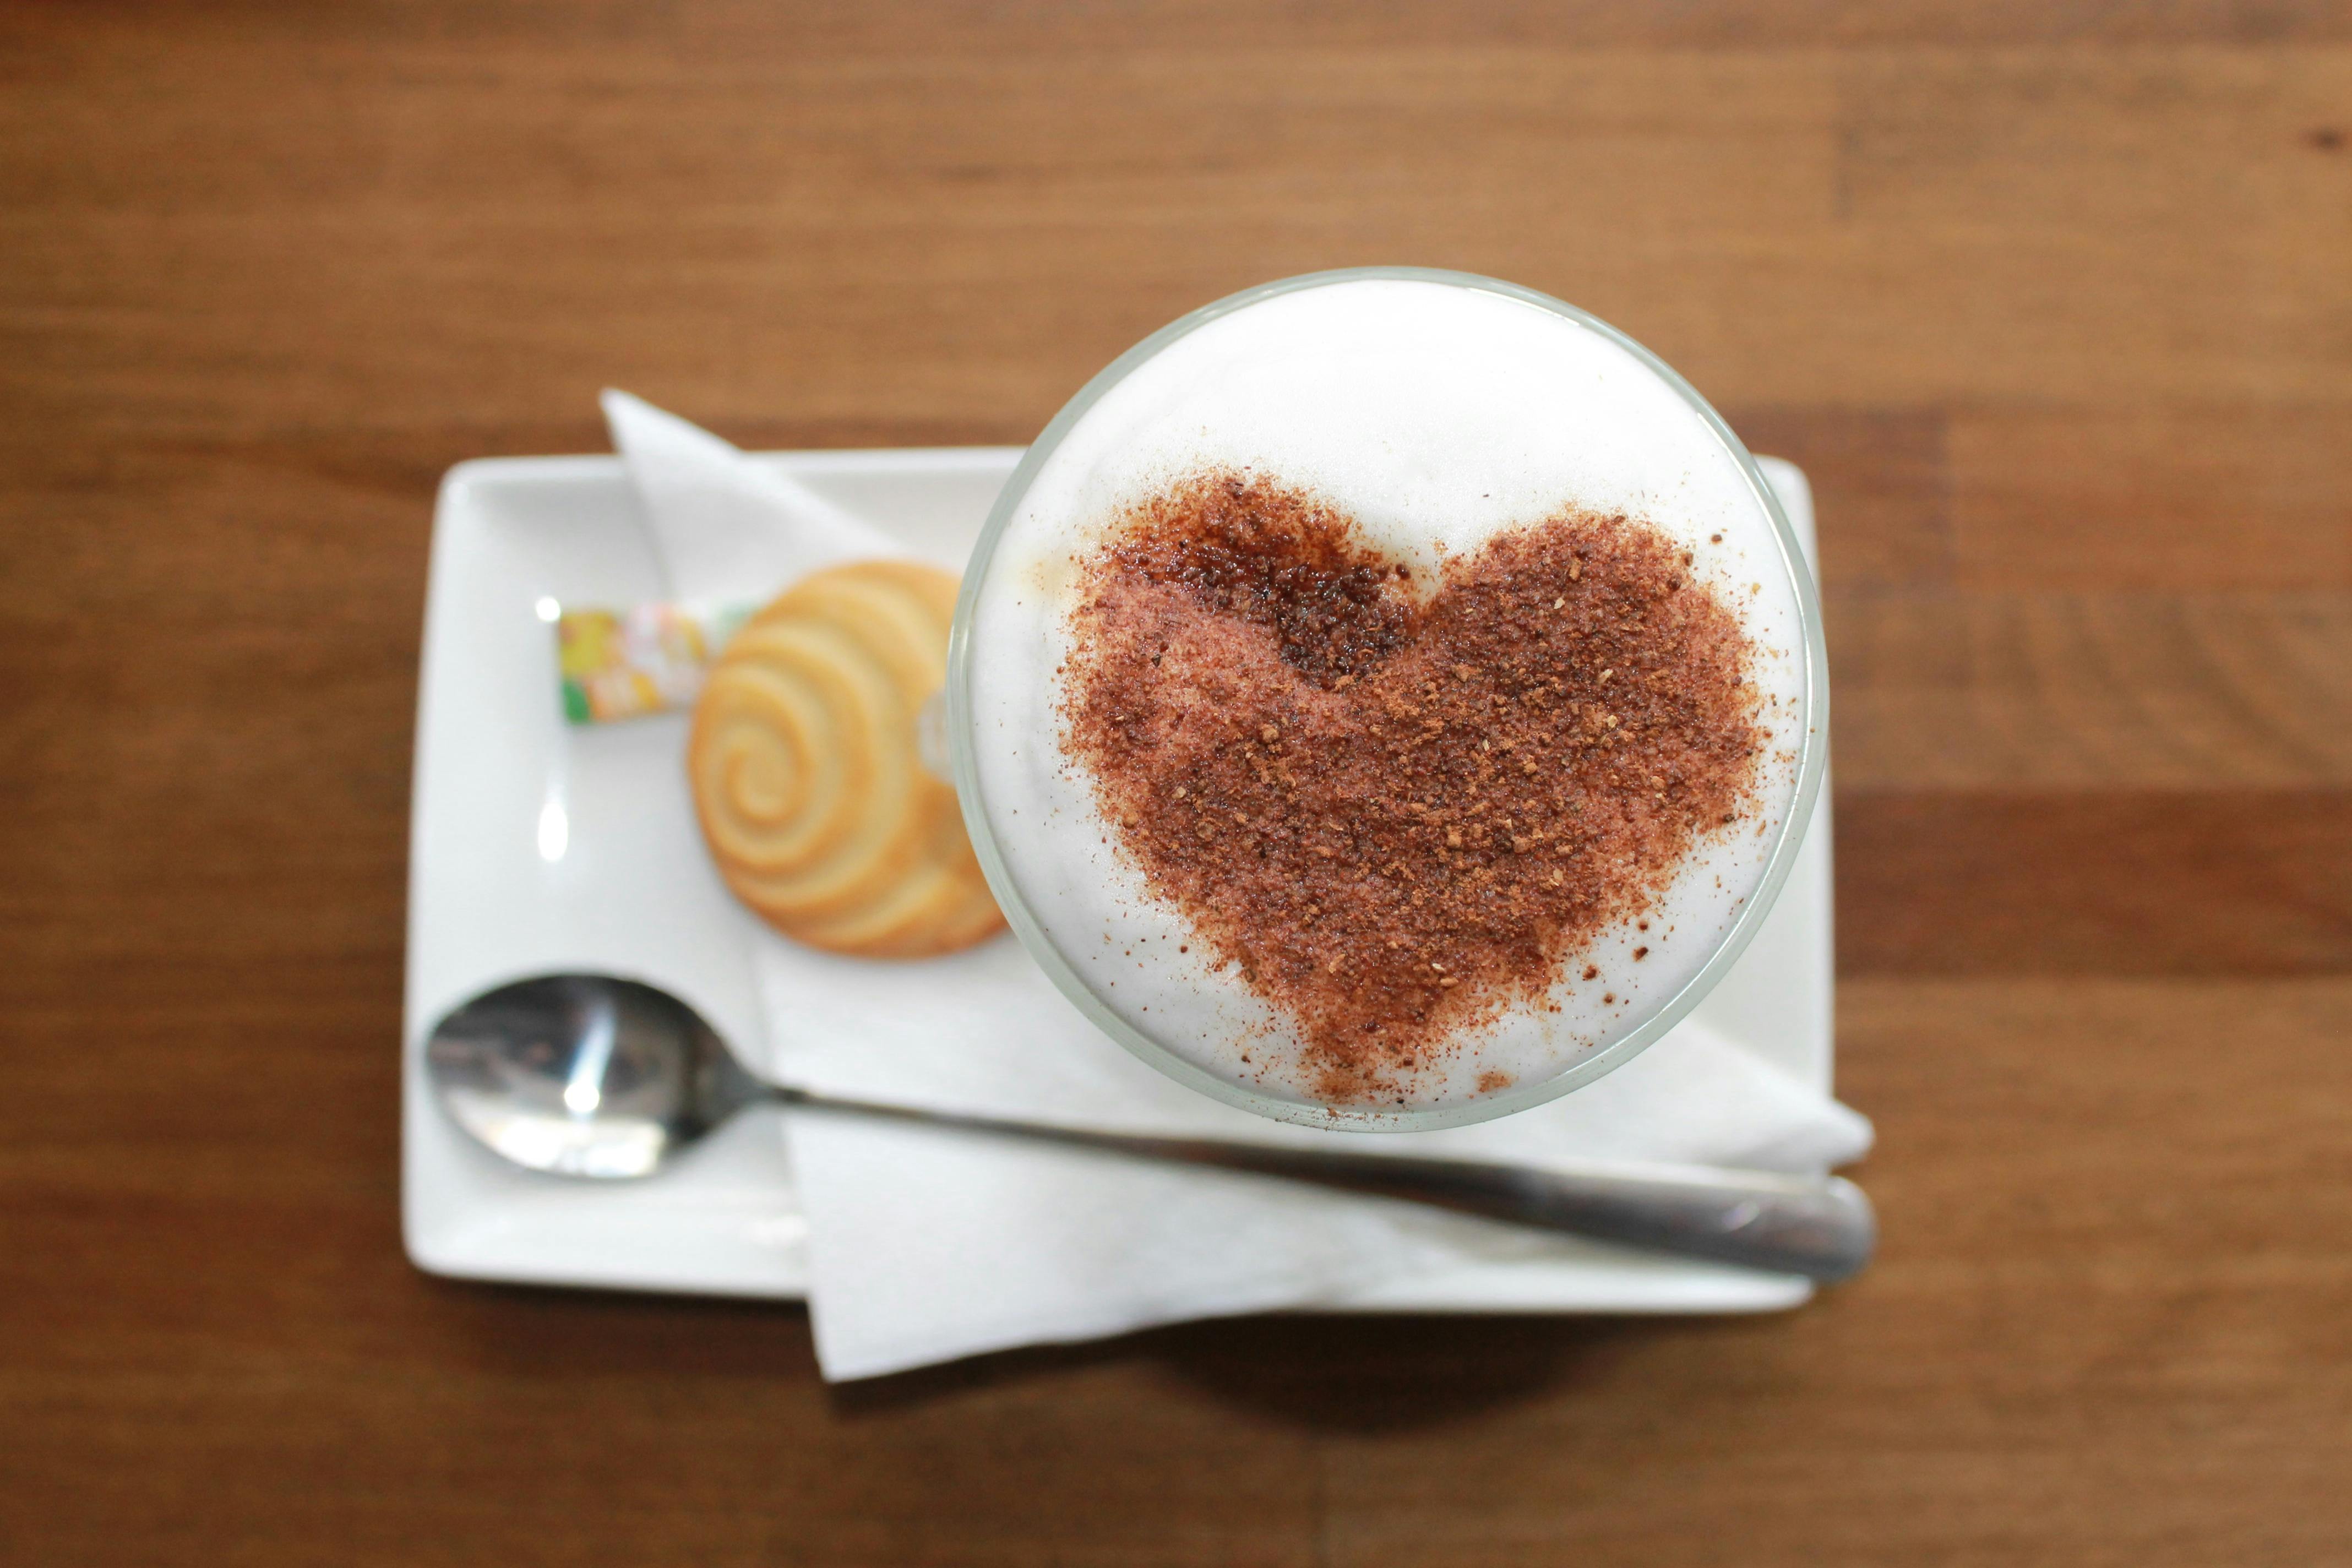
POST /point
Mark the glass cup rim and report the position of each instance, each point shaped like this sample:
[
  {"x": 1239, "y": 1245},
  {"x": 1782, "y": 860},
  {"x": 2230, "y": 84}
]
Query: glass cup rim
[{"x": 1787, "y": 837}]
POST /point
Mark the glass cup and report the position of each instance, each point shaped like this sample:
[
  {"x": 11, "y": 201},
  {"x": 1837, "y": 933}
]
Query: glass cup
[{"x": 1634, "y": 1034}]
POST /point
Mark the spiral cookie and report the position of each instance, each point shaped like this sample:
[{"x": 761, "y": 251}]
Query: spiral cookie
[{"x": 807, "y": 775}]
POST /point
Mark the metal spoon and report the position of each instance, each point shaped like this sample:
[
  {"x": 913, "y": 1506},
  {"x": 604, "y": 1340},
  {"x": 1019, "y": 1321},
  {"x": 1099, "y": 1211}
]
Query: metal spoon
[{"x": 581, "y": 1075}]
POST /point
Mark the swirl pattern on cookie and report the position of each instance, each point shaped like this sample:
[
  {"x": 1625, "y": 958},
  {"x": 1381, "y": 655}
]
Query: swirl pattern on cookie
[{"x": 808, "y": 777}]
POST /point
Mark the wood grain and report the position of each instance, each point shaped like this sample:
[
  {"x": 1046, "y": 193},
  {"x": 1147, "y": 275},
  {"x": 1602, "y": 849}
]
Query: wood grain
[
  {"x": 2097, "y": 882},
  {"x": 2050, "y": 300},
  {"x": 2090, "y": 690}
]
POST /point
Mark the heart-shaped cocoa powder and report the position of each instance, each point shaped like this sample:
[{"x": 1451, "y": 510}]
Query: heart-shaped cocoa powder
[{"x": 1396, "y": 805}]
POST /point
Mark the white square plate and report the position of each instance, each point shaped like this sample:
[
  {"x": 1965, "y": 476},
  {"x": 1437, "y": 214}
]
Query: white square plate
[{"x": 536, "y": 847}]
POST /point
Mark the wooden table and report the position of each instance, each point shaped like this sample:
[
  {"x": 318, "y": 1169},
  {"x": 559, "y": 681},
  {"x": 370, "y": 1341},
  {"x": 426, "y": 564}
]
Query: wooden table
[{"x": 2054, "y": 302}]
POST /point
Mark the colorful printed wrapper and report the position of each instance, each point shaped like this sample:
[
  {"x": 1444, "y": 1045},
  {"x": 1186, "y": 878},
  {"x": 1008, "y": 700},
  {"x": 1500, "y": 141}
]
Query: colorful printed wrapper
[{"x": 649, "y": 659}]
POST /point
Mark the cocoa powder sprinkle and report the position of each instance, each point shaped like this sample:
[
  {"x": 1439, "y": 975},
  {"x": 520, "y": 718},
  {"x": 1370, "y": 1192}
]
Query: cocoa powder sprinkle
[{"x": 1230, "y": 620}]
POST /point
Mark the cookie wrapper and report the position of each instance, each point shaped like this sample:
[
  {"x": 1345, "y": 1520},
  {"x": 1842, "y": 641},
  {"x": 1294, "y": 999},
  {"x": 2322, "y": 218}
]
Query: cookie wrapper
[{"x": 645, "y": 659}]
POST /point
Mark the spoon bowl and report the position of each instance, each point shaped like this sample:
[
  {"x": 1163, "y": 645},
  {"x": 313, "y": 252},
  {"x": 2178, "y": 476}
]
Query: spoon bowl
[{"x": 581, "y": 1075}]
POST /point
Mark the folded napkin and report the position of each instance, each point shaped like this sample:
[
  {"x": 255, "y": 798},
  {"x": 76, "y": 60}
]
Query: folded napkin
[
  {"x": 725, "y": 526},
  {"x": 925, "y": 1244}
]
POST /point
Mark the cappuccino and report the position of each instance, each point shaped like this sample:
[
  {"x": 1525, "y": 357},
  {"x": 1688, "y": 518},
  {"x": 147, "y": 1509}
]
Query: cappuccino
[{"x": 1385, "y": 697}]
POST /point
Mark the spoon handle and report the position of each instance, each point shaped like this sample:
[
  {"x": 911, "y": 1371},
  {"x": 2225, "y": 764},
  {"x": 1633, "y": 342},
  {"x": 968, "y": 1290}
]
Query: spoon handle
[{"x": 1820, "y": 1227}]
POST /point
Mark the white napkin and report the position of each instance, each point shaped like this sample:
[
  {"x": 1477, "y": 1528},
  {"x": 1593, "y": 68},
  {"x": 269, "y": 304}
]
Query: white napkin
[
  {"x": 727, "y": 527},
  {"x": 927, "y": 1244}
]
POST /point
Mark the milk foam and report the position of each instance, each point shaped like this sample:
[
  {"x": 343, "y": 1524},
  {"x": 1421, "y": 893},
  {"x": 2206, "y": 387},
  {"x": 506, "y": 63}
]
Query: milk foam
[{"x": 1436, "y": 414}]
